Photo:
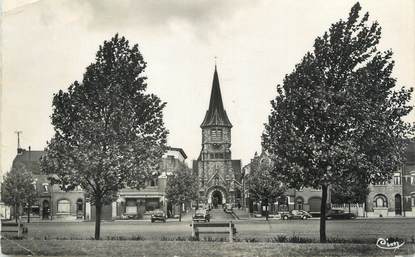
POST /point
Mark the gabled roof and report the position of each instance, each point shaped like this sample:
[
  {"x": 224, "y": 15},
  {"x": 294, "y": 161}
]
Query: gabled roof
[
  {"x": 30, "y": 159},
  {"x": 216, "y": 114},
  {"x": 177, "y": 149}
]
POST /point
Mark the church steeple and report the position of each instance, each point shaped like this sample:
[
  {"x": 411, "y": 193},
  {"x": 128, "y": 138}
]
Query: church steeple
[{"x": 216, "y": 114}]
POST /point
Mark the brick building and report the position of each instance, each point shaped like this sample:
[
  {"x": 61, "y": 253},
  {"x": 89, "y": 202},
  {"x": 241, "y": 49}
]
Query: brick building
[
  {"x": 54, "y": 203},
  {"x": 307, "y": 199},
  {"x": 219, "y": 175},
  {"x": 397, "y": 196},
  {"x": 140, "y": 203}
]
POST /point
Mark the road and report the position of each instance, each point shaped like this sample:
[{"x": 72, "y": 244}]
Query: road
[{"x": 346, "y": 229}]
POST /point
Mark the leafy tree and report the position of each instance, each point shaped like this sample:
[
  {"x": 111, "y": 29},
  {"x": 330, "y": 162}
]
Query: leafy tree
[
  {"x": 18, "y": 189},
  {"x": 337, "y": 116},
  {"x": 352, "y": 191},
  {"x": 181, "y": 187},
  {"x": 109, "y": 133},
  {"x": 261, "y": 185}
]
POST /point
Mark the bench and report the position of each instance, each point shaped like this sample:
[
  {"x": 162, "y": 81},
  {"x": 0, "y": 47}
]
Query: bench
[
  {"x": 12, "y": 227},
  {"x": 227, "y": 228}
]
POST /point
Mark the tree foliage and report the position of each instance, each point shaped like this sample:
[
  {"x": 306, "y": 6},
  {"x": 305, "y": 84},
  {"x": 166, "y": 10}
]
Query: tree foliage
[
  {"x": 337, "y": 116},
  {"x": 352, "y": 191},
  {"x": 109, "y": 133},
  {"x": 181, "y": 187},
  {"x": 261, "y": 185},
  {"x": 18, "y": 188}
]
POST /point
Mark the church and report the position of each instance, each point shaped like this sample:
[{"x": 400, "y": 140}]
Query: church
[{"x": 219, "y": 175}]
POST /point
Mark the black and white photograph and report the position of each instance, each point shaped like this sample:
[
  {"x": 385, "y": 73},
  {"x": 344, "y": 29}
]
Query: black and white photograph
[{"x": 207, "y": 128}]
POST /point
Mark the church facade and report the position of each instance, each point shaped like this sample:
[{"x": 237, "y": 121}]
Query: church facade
[{"x": 219, "y": 175}]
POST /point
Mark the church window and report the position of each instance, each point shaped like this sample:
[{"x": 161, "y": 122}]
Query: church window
[
  {"x": 216, "y": 134},
  {"x": 219, "y": 156}
]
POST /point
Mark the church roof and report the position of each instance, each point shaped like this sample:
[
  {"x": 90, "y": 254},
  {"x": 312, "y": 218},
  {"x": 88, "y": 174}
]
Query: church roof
[{"x": 216, "y": 114}]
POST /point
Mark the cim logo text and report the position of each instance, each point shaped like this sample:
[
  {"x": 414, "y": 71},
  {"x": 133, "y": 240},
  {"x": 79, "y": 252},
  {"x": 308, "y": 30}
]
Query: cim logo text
[{"x": 388, "y": 244}]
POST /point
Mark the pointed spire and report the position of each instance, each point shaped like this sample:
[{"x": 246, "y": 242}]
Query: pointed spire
[{"x": 216, "y": 114}]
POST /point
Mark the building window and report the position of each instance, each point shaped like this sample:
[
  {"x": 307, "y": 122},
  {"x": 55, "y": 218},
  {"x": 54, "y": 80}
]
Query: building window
[
  {"x": 316, "y": 189},
  {"x": 397, "y": 179},
  {"x": 35, "y": 210},
  {"x": 216, "y": 134},
  {"x": 34, "y": 183},
  {"x": 152, "y": 204},
  {"x": 381, "y": 183},
  {"x": 153, "y": 182},
  {"x": 218, "y": 155},
  {"x": 45, "y": 187},
  {"x": 380, "y": 201},
  {"x": 300, "y": 203},
  {"x": 412, "y": 180},
  {"x": 79, "y": 205},
  {"x": 131, "y": 206},
  {"x": 64, "y": 206}
]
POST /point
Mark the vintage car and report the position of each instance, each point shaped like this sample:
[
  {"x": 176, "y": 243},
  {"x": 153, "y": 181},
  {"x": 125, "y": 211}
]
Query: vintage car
[
  {"x": 339, "y": 214},
  {"x": 295, "y": 215},
  {"x": 201, "y": 215},
  {"x": 274, "y": 216},
  {"x": 158, "y": 215}
]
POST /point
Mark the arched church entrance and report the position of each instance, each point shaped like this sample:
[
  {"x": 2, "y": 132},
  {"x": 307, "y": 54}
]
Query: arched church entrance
[
  {"x": 216, "y": 196},
  {"x": 217, "y": 199}
]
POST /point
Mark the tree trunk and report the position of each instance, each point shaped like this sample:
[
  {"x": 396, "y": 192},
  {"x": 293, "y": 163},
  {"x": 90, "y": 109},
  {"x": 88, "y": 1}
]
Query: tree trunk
[
  {"x": 266, "y": 209},
  {"x": 266, "y": 213},
  {"x": 323, "y": 214},
  {"x": 15, "y": 212},
  {"x": 365, "y": 206},
  {"x": 349, "y": 208},
  {"x": 29, "y": 208},
  {"x": 180, "y": 212},
  {"x": 98, "y": 207}
]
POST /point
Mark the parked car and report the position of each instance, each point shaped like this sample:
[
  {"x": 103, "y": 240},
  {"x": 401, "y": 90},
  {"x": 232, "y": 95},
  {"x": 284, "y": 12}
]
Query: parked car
[
  {"x": 274, "y": 216},
  {"x": 228, "y": 208},
  {"x": 295, "y": 215},
  {"x": 201, "y": 215},
  {"x": 204, "y": 207},
  {"x": 339, "y": 214},
  {"x": 158, "y": 215}
]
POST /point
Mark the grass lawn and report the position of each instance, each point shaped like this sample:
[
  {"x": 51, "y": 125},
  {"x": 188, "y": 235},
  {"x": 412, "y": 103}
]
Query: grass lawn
[
  {"x": 188, "y": 248},
  {"x": 366, "y": 230}
]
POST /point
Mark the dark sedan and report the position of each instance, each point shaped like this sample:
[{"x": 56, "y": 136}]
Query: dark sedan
[
  {"x": 296, "y": 215},
  {"x": 158, "y": 215},
  {"x": 340, "y": 214}
]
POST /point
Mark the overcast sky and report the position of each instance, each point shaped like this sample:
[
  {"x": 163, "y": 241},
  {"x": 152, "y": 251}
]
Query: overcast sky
[{"x": 47, "y": 44}]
